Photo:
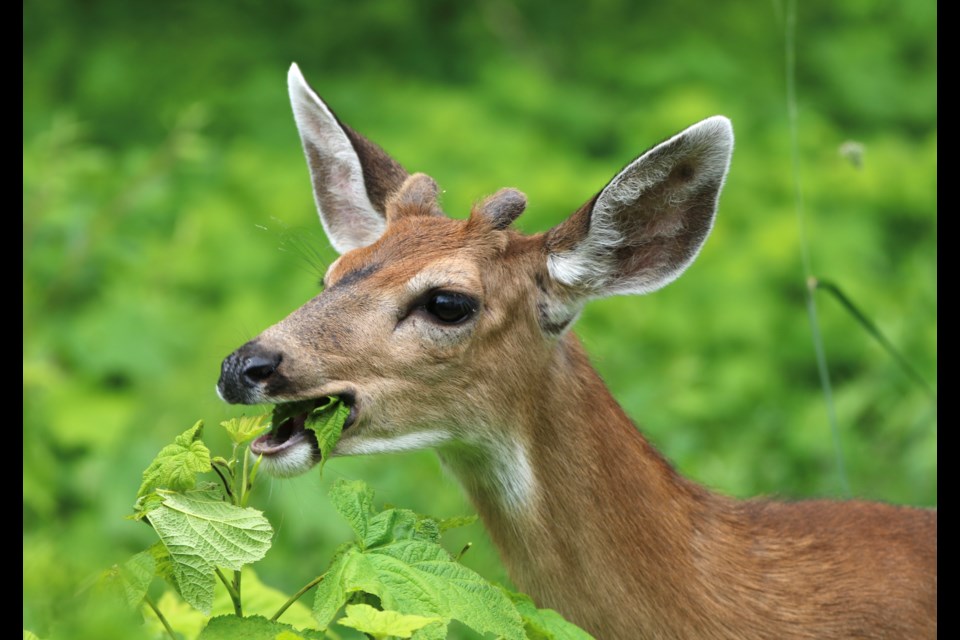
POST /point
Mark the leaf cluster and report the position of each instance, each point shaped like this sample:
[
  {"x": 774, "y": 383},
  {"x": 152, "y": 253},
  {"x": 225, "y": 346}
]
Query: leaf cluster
[{"x": 394, "y": 580}]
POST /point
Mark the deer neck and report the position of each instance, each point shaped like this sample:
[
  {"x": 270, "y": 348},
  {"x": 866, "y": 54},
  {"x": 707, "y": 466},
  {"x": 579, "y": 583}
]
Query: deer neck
[{"x": 578, "y": 495}]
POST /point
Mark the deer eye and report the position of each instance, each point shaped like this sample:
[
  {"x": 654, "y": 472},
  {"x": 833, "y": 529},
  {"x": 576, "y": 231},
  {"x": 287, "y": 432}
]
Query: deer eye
[{"x": 449, "y": 308}]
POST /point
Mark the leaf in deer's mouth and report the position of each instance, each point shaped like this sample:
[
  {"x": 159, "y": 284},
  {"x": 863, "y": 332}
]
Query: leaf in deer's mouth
[
  {"x": 327, "y": 422},
  {"x": 292, "y": 422}
]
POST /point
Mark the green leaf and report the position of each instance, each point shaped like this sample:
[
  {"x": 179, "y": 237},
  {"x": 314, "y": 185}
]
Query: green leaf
[
  {"x": 399, "y": 524},
  {"x": 128, "y": 582},
  {"x": 163, "y": 564},
  {"x": 399, "y": 560},
  {"x": 381, "y": 624},
  {"x": 136, "y": 574},
  {"x": 144, "y": 505},
  {"x": 327, "y": 422},
  {"x": 344, "y": 577},
  {"x": 177, "y": 465},
  {"x": 245, "y": 428},
  {"x": 429, "y": 571},
  {"x": 253, "y": 628},
  {"x": 419, "y": 578},
  {"x": 545, "y": 624},
  {"x": 434, "y": 631},
  {"x": 353, "y": 501},
  {"x": 286, "y": 410},
  {"x": 29, "y": 635},
  {"x": 201, "y": 533},
  {"x": 330, "y": 594}
]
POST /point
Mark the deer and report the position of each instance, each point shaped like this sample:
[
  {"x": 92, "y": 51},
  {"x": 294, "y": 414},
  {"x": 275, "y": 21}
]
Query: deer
[{"x": 455, "y": 335}]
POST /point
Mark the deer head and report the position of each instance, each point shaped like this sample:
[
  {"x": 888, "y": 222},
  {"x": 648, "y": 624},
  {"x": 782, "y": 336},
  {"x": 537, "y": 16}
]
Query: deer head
[
  {"x": 442, "y": 332},
  {"x": 455, "y": 334}
]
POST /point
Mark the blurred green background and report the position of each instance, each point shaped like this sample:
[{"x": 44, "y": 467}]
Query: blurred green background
[{"x": 167, "y": 218}]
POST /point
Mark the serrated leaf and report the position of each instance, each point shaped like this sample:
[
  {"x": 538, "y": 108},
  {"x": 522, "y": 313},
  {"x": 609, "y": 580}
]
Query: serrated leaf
[
  {"x": 252, "y": 628},
  {"x": 163, "y": 564},
  {"x": 144, "y": 505},
  {"x": 245, "y": 428},
  {"x": 399, "y": 561},
  {"x": 347, "y": 575},
  {"x": 434, "y": 631},
  {"x": 327, "y": 422},
  {"x": 419, "y": 578},
  {"x": 177, "y": 465},
  {"x": 545, "y": 624},
  {"x": 136, "y": 575},
  {"x": 126, "y": 583},
  {"x": 201, "y": 533},
  {"x": 399, "y": 524},
  {"x": 381, "y": 624},
  {"x": 468, "y": 597},
  {"x": 353, "y": 501}
]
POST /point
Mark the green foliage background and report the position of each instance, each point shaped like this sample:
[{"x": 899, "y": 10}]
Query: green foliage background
[{"x": 167, "y": 218}]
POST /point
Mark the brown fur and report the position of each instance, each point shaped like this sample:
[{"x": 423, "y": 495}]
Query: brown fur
[
  {"x": 589, "y": 518},
  {"x": 616, "y": 540}
]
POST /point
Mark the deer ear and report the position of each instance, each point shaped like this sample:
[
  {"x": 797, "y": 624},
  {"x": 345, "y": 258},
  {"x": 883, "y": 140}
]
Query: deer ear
[
  {"x": 352, "y": 177},
  {"x": 648, "y": 224}
]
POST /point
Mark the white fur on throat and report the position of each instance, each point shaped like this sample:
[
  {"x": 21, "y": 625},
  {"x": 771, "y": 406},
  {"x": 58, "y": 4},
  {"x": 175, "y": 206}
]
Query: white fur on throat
[{"x": 499, "y": 468}]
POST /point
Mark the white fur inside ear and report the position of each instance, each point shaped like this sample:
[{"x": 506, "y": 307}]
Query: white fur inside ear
[
  {"x": 592, "y": 263},
  {"x": 339, "y": 190},
  {"x": 587, "y": 264}
]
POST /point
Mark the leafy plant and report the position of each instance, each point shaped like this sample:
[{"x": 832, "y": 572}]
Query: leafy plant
[{"x": 394, "y": 580}]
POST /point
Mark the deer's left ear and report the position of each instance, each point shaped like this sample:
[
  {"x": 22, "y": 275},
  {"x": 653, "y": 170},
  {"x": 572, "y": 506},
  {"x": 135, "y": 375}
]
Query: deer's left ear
[
  {"x": 648, "y": 224},
  {"x": 352, "y": 177}
]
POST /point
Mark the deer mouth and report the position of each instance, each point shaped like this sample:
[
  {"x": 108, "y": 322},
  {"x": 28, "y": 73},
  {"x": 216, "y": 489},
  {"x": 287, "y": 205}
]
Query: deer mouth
[{"x": 288, "y": 431}]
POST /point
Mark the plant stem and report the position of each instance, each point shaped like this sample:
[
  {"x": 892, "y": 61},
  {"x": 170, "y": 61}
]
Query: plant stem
[
  {"x": 297, "y": 596},
  {"x": 237, "y": 585},
  {"x": 824, "y": 372},
  {"x": 226, "y": 485},
  {"x": 244, "y": 483},
  {"x": 790, "y": 28},
  {"x": 160, "y": 617},
  {"x": 234, "y": 594}
]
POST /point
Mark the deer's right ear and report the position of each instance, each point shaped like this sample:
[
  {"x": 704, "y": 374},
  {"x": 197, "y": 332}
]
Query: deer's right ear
[
  {"x": 648, "y": 224},
  {"x": 352, "y": 177}
]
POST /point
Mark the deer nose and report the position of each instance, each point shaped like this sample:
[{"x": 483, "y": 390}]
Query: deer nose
[
  {"x": 258, "y": 368},
  {"x": 245, "y": 372}
]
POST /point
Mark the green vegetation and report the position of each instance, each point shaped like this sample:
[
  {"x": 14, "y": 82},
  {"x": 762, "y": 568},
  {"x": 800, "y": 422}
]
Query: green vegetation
[
  {"x": 395, "y": 561},
  {"x": 167, "y": 218}
]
